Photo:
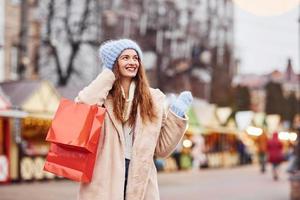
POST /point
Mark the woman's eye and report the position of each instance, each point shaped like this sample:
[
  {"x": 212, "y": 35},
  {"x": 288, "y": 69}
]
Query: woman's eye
[{"x": 127, "y": 58}]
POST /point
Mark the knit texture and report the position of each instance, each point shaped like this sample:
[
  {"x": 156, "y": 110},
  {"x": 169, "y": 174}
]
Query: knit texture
[
  {"x": 127, "y": 129},
  {"x": 180, "y": 105},
  {"x": 128, "y": 101},
  {"x": 111, "y": 50}
]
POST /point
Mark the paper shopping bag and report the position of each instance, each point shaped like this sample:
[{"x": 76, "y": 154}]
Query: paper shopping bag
[{"x": 74, "y": 136}]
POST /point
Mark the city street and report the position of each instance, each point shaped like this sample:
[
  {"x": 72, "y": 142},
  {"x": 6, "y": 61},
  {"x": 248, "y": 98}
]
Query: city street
[
  {"x": 241, "y": 183},
  {"x": 226, "y": 71}
]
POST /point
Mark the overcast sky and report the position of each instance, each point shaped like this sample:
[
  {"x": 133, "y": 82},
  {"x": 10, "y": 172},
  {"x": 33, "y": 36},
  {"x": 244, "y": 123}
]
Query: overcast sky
[{"x": 264, "y": 43}]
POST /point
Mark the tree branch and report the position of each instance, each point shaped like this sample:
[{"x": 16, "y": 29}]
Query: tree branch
[
  {"x": 66, "y": 21},
  {"x": 84, "y": 17},
  {"x": 49, "y": 19}
]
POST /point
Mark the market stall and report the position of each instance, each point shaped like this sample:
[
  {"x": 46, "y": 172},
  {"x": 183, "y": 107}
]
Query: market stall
[
  {"x": 26, "y": 122},
  {"x": 220, "y": 135}
]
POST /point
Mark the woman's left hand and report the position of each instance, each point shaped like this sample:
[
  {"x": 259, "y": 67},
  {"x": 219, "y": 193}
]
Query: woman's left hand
[{"x": 180, "y": 105}]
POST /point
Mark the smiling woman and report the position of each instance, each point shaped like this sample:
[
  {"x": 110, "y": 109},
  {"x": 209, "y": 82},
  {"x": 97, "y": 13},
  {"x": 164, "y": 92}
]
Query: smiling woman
[
  {"x": 267, "y": 7},
  {"x": 137, "y": 126}
]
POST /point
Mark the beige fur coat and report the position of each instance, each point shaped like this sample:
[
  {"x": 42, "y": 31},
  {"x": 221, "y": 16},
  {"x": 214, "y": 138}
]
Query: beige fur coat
[{"x": 151, "y": 139}]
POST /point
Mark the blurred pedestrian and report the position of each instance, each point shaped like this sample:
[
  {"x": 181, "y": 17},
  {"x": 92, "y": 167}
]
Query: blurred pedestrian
[
  {"x": 294, "y": 157},
  {"x": 176, "y": 155},
  {"x": 198, "y": 155},
  {"x": 261, "y": 143},
  {"x": 136, "y": 126},
  {"x": 297, "y": 149},
  {"x": 275, "y": 154},
  {"x": 241, "y": 148}
]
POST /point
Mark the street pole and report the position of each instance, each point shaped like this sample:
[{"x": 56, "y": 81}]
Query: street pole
[
  {"x": 298, "y": 106},
  {"x": 296, "y": 122}
]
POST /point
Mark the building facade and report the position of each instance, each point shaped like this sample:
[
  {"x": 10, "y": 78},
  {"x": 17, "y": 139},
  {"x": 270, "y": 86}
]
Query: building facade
[
  {"x": 2, "y": 29},
  {"x": 186, "y": 44},
  {"x": 21, "y": 39},
  {"x": 288, "y": 80}
]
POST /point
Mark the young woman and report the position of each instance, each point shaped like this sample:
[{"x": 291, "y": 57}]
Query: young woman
[{"x": 136, "y": 127}]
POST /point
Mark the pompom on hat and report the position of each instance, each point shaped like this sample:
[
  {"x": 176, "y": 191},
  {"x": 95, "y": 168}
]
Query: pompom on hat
[{"x": 109, "y": 51}]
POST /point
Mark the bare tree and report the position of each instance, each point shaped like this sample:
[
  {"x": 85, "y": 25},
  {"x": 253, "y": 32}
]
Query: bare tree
[{"x": 69, "y": 37}]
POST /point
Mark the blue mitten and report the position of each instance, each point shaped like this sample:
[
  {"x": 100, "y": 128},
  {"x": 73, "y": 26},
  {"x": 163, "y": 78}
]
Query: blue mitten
[{"x": 180, "y": 105}]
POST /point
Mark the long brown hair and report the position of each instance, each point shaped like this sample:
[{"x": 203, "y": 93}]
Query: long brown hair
[{"x": 142, "y": 97}]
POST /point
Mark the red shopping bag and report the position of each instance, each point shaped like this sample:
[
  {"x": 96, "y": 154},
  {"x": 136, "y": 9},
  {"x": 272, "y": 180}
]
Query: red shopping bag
[{"x": 74, "y": 136}]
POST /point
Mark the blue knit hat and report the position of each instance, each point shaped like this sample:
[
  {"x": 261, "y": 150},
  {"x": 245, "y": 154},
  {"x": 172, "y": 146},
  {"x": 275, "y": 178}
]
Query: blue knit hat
[{"x": 111, "y": 50}]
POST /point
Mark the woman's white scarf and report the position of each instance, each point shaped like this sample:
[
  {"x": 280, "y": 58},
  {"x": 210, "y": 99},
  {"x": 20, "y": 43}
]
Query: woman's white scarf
[{"x": 128, "y": 102}]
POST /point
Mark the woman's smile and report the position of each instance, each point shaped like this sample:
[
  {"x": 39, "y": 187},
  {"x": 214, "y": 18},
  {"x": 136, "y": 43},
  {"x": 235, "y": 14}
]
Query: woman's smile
[{"x": 131, "y": 68}]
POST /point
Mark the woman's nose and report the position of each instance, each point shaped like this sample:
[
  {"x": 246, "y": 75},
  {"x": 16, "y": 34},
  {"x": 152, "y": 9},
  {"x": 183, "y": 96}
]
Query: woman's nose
[{"x": 131, "y": 61}]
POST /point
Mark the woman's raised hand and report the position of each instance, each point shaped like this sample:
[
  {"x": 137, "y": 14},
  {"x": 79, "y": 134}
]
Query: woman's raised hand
[{"x": 182, "y": 103}]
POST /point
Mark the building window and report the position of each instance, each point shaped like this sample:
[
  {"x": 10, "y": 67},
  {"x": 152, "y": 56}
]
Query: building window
[
  {"x": 14, "y": 63},
  {"x": 15, "y": 2}
]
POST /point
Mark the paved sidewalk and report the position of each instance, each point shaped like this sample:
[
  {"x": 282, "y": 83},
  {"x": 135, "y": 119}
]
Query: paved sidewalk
[{"x": 242, "y": 183}]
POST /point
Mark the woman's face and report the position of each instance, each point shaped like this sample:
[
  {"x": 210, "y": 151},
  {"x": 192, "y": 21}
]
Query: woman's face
[{"x": 128, "y": 63}]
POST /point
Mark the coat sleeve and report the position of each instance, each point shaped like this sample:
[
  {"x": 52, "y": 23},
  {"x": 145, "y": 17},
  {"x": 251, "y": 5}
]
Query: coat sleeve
[
  {"x": 172, "y": 130},
  {"x": 97, "y": 91}
]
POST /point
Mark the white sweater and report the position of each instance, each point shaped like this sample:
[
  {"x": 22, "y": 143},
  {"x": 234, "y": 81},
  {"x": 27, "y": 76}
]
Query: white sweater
[
  {"x": 128, "y": 135},
  {"x": 127, "y": 129}
]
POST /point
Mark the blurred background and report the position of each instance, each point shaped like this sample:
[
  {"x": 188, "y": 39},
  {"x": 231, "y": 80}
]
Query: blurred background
[{"x": 240, "y": 59}]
